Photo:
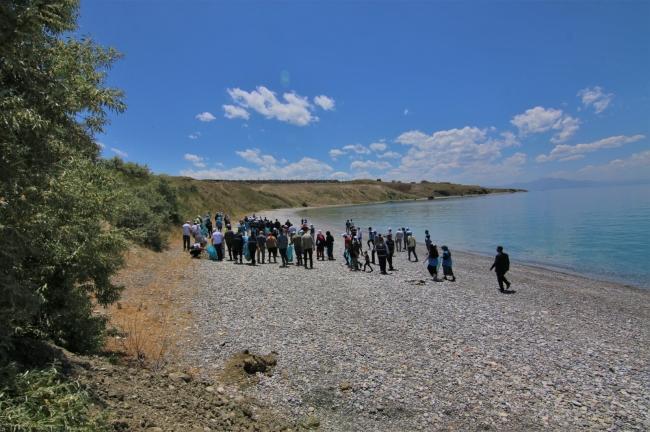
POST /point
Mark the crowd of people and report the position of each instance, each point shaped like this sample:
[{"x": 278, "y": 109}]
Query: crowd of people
[{"x": 259, "y": 240}]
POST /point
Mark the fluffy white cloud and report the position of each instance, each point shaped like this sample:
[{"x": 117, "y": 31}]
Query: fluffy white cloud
[
  {"x": 233, "y": 112},
  {"x": 369, "y": 165},
  {"x": 634, "y": 166},
  {"x": 378, "y": 146},
  {"x": 324, "y": 102},
  {"x": 334, "y": 153},
  {"x": 565, "y": 152},
  {"x": 540, "y": 119},
  {"x": 196, "y": 160},
  {"x": 390, "y": 155},
  {"x": 100, "y": 144},
  {"x": 340, "y": 175},
  {"x": 305, "y": 168},
  {"x": 119, "y": 152},
  {"x": 295, "y": 109},
  {"x": 595, "y": 97},
  {"x": 194, "y": 135},
  {"x": 205, "y": 117},
  {"x": 356, "y": 148},
  {"x": 256, "y": 157},
  {"x": 464, "y": 152}
]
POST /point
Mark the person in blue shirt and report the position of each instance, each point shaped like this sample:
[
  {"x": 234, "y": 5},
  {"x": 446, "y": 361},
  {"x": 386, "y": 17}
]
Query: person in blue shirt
[
  {"x": 446, "y": 265},
  {"x": 432, "y": 262}
]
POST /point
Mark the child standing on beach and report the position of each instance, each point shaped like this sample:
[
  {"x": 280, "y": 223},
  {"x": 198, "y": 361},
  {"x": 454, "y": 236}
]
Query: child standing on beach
[{"x": 367, "y": 264}]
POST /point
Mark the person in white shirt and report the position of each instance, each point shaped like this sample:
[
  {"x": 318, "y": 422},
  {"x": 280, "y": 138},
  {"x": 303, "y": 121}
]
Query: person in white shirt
[
  {"x": 187, "y": 229},
  {"x": 217, "y": 242}
]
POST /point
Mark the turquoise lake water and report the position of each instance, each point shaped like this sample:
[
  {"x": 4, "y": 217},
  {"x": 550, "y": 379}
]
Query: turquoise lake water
[{"x": 598, "y": 232}]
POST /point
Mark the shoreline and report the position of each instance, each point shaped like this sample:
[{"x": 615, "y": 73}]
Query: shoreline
[
  {"x": 363, "y": 351},
  {"x": 292, "y": 214}
]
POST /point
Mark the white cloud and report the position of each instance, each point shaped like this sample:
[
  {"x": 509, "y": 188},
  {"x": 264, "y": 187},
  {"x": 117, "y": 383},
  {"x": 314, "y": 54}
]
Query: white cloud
[
  {"x": 378, "y": 146},
  {"x": 324, "y": 102},
  {"x": 101, "y": 145},
  {"x": 334, "y": 153},
  {"x": 340, "y": 175},
  {"x": 295, "y": 109},
  {"x": 596, "y": 97},
  {"x": 369, "y": 165},
  {"x": 305, "y": 168},
  {"x": 540, "y": 119},
  {"x": 633, "y": 167},
  {"x": 194, "y": 135},
  {"x": 256, "y": 157},
  {"x": 205, "y": 117},
  {"x": 464, "y": 153},
  {"x": 196, "y": 160},
  {"x": 233, "y": 112},
  {"x": 390, "y": 155},
  {"x": 565, "y": 152},
  {"x": 119, "y": 152},
  {"x": 406, "y": 111},
  {"x": 356, "y": 148}
]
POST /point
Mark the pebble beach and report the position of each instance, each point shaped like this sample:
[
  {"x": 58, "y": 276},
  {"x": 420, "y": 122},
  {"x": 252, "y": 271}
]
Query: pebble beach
[{"x": 399, "y": 352}]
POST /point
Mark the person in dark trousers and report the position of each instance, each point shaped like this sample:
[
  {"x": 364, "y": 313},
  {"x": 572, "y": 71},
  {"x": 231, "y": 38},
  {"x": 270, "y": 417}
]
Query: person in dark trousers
[
  {"x": 390, "y": 244},
  {"x": 308, "y": 249},
  {"x": 411, "y": 244},
  {"x": 187, "y": 230},
  {"x": 501, "y": 266},
  {"x": 261, "y": 247},
  {"x": 371, "y": 239},
  {"x": 320, "y": 246},
  {"x": 229, "y": 236},
  {"x": 427, "y": 239},
  {"x": 283, "y": 245},
  {"x": 329, "y": 245},
  {"x": 382, "y": 253},
  {"x": 297, "y": 248},
  {"x": 432, "y": 262},
  {"x": 252, "y": 248},
  {"x": 367, "y": 264},
  {"x": 238, "y": 247},
  {"x": 446, "y": 264}
]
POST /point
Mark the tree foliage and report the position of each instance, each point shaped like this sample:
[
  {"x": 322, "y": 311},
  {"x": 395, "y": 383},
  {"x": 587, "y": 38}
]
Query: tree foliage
[{"x": 58, "y": 243}]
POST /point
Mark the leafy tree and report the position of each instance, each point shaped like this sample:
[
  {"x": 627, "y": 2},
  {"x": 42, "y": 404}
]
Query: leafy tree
[{"x": 58, "y": 248}]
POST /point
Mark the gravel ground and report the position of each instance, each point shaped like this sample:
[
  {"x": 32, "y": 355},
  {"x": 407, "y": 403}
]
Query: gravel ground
[{"x": 362, "y": 351}]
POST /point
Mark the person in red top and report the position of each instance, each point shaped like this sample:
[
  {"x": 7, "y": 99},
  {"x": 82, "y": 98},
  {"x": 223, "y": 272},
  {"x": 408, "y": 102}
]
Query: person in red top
[{"x": 320, "y": 246}]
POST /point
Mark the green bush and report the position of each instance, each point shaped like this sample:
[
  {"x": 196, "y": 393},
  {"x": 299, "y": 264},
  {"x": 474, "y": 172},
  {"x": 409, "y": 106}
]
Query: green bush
[{"x": 39, "y": 400}]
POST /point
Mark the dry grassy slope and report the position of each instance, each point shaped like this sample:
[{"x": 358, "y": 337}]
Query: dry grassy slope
[{"x": 238, "y": 198}]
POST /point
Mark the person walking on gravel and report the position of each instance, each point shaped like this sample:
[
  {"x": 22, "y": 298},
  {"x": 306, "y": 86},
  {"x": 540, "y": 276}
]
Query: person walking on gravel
[
  {"x": 261, "y": 247},
  {"x": 399, "y": 237},
  {"x": 252, "y": 248},
  {"x": 390, "y": 244},
  {"x": 382, "y": 253},
  {"x": 501, "y": 266},
  {"x": 432, "y": 262},
  {"x": 238, "y": 247},
  {"x": 187, "y": 230},
  {"x": 272, "y": 247},
  {"x": 228, "y": 237}
]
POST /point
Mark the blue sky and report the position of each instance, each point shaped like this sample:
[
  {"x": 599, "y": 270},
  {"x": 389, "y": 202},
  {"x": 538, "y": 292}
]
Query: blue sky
[{"x": 475, "y": 92}]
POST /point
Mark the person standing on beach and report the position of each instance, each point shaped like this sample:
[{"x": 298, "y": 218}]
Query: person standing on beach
[
  {"x": 329, "y": 245},
  {"x": 320, "y": 246},
  {"x": 252, "y": 248},
  {"x": 296, "y": 240},
  {"x": 261, "y": 246},
  {"x": 367, "y": 263},
  {"x": 371, "y": 239},
  {"x": 308, "y": 249},
  {"x": 427, "y": 239},
  {"x": 228, "y": 238},
  {"x": 238, "y": 247},
  {"x": 272, "y": 247},
  {"x": 501, "y": 266},
  {"x": 217, "y": 240},
  {"x": 411, "y": 244},
  {"x": 390, "y": 244},
  {"x": 432, "y": 262},
  {"x": 283, "y": 245},
  {"x": 382, "y": 253},
  {"x": 399, "y": 236},
  {"x": 187, "y": 229},
  {"x": 446, "y": 264}
]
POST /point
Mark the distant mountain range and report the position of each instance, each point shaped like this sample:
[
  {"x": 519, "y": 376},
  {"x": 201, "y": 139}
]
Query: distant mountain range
[{"x": 549, "y": 183}]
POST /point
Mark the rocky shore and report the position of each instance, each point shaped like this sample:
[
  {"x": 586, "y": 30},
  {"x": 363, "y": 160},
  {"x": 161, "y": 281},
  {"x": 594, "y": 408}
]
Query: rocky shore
[{"x": 362, "y": 351}]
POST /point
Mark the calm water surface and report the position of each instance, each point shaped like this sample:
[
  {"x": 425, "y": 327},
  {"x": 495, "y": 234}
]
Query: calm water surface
[{"x": 599, "y": 232}]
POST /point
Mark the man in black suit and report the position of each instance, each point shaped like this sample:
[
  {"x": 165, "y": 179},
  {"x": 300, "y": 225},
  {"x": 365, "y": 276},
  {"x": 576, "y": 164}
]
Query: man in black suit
[{"x": 501, "y": 266}]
